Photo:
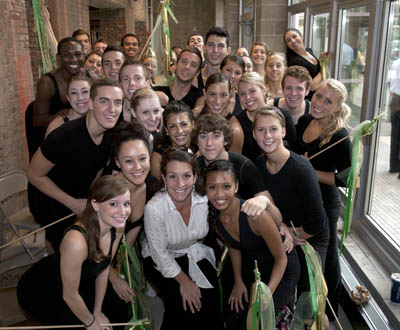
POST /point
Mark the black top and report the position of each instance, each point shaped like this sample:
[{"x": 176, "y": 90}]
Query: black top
[
  {"x": 189, "y": 99},
  {"x": 250, "y": 147},
  {"x": 77, "y": 161},
  {"x": 238, "y": 107},
  {"x": 200, "y": 81},
  {"x": 34, "y": 134},
  {"x": 313, "y": 69},
  {"x": 91, "y": 268},
  {"x": 335, "y": 159},
  {"x": 306, "y": 109},
  {"x": 247, "y": 173},
  {"x": 296, "y": 193}
]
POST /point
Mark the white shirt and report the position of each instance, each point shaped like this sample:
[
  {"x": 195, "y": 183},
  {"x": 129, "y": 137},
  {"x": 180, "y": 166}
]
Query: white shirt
[
  {"x": 394, "y": 77},
  {"x": 168, "y": 237}
]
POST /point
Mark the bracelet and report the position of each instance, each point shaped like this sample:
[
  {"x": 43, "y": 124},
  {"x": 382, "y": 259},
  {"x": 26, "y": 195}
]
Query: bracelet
[{"x": 91, "y": 323}]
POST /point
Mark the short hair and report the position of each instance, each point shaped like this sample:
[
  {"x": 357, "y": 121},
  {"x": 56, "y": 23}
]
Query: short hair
[
  {"x": 112, "y": 48},
  {"x": 191, "y": 35},
  {"x": 220, "y": 32},
  {"x": 269, "y": 110},
  {"x": 212, "y": 122},
  {"x": 252, "y": 78},
  {"x": 233, "y": 58},
  {"x": 64, "y": 41},
  {"x": 217, "y": 78},
  {"x": 259, "y": 43},
  {"x": 93, "y": 52},
  {"x": 79, "y": 77},
  {"x": 192, "y": 50},
  {"x": 298, "y": 72},
  {"x": 129, "y": 35},
  {"x": 98, "y": 41},
  {"x": 141, "y": 94},
  {"x": 103, "y": 82},
  {"x": 80, "y": 32},
  {"x": 131, "y": 61}
]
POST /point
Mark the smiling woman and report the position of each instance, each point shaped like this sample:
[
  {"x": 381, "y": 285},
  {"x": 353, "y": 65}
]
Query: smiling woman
[
  {"x": 181, "y": 266},
  {"x": 178, "y": 124}
]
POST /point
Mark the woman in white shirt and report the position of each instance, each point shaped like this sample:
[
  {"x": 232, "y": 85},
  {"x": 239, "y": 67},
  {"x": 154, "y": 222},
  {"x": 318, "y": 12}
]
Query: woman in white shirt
[{"x": 181, "y": 266}]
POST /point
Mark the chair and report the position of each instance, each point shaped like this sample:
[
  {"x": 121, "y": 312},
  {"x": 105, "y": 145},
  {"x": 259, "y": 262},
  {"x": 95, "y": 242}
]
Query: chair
[{"x": 12, "y": 183}]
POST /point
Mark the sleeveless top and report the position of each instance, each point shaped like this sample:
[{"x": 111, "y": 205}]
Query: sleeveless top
[{"x": 91, "y": 268}]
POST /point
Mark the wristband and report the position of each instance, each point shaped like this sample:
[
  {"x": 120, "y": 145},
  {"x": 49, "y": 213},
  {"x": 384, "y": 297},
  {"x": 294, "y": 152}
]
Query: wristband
[{"x": 91, "y": 323}]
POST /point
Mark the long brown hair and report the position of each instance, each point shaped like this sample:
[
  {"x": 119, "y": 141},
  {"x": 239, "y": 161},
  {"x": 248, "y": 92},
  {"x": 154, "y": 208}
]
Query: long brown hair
[{"x": 103, "y": 189}]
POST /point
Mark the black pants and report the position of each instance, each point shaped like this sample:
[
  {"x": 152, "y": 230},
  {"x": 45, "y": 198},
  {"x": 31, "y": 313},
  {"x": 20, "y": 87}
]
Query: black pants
[
  {"x": 175, "y": 317},
  {"x": 395, "y": 134}
]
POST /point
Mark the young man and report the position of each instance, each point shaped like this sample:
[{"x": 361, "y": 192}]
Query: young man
[
  {"x": 84, "y": 39},
  {"x": 51, "y": 95},
  {"x": 196, "y": 40},
  {"x": 130, "y": 45},
  {"x": 112, "y": 60},
  {"x": 133, "y": 76},
  {"x": 71, "y": 157},
  {"x": 296, "y": 84},
  {"x": 99, "y": 45},
  {"x": 215, "y": 49},
  {"x": 181, "y": 89}
]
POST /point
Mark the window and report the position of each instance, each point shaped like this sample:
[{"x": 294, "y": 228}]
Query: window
[
  {"x": 352, "y": 51},
  {"x": 320, "y": 33},
  {"x": 385, "y": 192}
]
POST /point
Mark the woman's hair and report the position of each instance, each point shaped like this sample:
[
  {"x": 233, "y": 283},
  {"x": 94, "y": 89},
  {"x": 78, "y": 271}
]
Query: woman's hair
[
  {"x": 124, "y": 132},
  {"x": 213, "y": 213},
  {"x": 259, "y": 43},
  {"x": 94, "y": 52},
  {"x": 79, "y": 77},
  {"x": 339, "y": 118},
  {"x": 270, "y": 54},
  {"x": 128, "y": 62},
  {"x": 290, "y": 53},
  {"x": 141, "y": 94},
  {"x": 217, "y": 78},
  {"x": 233, "y": 58},
  {"x": 252, "y": 78},
  {"x": 212, "y": 122},
  {"x": 103, "y": 189},
  {"x": 173, "y": 107},
  {"x": 269, "y": 110}
]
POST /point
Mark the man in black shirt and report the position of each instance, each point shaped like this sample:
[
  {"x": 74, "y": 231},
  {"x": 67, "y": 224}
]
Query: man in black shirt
[{"x": 181, "y": 89}]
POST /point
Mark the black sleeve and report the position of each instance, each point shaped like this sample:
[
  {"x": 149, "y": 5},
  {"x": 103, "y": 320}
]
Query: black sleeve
[
  {"x": 290, "y": 137},
  {"x": 252, "y": 176},
  {"x": 343, "y": 159},
  {"x": 53, "y": 148},
  {"x": 315, "y": 220}
]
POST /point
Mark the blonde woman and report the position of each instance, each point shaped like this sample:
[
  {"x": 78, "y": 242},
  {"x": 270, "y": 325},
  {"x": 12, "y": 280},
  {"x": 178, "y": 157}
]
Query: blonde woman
[
  {"x": 275, "y": 66},
  {"x": 258, "y": 55},
  {"x": 325, "y": 125}
]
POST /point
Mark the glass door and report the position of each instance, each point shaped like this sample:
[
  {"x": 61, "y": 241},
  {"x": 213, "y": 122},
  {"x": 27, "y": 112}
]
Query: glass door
[
  {"x": 352, "y": 49},
  {"x": 319, "y": 33},
  {"x": 385, "y": 192}
]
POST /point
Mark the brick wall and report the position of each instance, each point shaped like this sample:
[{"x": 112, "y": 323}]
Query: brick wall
[
  {"x": 193, "y": 16},
  {"x": 16, "y": 84},
  {"x": 112, "y": 24}
]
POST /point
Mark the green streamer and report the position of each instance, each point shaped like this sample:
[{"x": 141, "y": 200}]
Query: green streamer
[
  {"x": 131, "y": 268},
  {"x": 261, "y": 314}
]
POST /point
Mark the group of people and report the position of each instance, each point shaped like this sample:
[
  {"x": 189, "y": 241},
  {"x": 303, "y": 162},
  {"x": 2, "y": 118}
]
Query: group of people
[{"x": 221, "y": 157}]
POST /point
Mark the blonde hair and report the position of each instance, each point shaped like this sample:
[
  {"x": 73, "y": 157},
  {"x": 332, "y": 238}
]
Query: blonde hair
[
  {"x": 252, "y": 78},
  {"x": 339, "y": 118},
  {"x": 141, "y": 94}
]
